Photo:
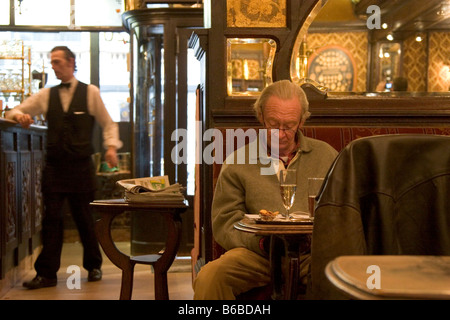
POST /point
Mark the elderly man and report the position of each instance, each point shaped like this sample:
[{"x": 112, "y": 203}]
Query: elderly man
[
  {"x": 71, "y": 109},
  {"x": 242, "y": 188}
]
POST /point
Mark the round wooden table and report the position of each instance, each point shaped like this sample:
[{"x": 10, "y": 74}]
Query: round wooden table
[
  {"x": 375, "y": 277},
  {"x": 109, "y": 209}
]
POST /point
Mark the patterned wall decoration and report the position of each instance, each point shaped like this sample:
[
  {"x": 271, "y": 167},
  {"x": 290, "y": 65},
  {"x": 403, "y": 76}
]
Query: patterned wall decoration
[
  {"x": 256, "y": 14},
  {"x": 439, "y": 62},
  {"x": 354, "y": 43},
  {"x": 415, "y": 63}
]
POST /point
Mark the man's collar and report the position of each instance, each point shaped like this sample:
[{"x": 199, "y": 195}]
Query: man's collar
[
  {"x": 304, "y": 144},
  {"x": 72, "y": 83}
]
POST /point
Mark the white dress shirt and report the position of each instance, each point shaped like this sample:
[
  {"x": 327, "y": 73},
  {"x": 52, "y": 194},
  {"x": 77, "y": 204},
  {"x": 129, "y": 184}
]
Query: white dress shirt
[{"x": 37, "y": 104}]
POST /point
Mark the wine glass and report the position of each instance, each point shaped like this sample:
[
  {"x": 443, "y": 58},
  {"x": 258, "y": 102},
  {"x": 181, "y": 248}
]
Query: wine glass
[{"x": 288, "y": 187}]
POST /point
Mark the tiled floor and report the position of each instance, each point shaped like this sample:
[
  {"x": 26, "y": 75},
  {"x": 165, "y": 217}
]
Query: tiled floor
[{"x": 179, "y": 281}]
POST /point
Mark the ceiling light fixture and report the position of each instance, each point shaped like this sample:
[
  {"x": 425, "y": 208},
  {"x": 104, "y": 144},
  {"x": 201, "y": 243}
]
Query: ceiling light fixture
[{"x": 444, "y": 10}]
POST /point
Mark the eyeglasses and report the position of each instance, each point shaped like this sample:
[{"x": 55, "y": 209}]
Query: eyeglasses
[{"x": 286, "y": 131}]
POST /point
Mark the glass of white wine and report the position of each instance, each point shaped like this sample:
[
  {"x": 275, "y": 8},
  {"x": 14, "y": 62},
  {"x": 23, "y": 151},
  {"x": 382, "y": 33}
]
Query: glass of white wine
[{"x": 288, "y": 187}]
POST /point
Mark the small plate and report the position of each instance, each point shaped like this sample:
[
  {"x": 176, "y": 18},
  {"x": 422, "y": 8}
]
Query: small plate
[
  {"x": 284, "y": 221},
  {"x": 302, "y": 218}
]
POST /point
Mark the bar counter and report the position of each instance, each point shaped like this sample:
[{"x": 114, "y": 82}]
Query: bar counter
[{"x": 21, "y": 205}]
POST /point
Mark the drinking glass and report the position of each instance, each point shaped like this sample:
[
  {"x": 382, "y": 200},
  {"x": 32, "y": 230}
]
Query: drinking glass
[
  {"x": 314, "y": 185},
  {"x": 288, "y": 187}
]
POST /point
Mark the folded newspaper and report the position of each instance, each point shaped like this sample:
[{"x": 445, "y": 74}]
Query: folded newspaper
[{"x": 152, "y": 189}]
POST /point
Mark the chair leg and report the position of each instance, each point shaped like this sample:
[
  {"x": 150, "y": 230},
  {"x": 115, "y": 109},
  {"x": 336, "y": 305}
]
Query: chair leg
[{"x": 127, "y": 282}]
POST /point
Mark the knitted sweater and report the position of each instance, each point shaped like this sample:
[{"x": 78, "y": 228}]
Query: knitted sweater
[{"x": 242, "y": 189}]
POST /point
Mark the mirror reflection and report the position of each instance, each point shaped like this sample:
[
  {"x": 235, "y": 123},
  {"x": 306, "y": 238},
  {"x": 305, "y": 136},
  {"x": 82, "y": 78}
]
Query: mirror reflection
[
  {"x": 349, "y": 47},
  {"x": 389, "y": 68},
  {"x": 249, "y": 65}
]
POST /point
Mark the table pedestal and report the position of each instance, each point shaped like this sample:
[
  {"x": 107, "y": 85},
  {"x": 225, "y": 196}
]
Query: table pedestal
[{"x": 289, "y": 240}]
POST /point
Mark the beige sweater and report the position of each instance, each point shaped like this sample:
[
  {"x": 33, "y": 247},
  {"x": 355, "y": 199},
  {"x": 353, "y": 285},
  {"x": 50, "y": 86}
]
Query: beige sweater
[{"x": 242, "y": 189}]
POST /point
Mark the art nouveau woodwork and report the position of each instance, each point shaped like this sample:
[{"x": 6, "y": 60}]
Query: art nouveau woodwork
[{"x": 342, "y": 112}]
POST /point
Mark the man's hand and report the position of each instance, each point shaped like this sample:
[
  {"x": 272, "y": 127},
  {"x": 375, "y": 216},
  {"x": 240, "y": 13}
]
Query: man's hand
[
  {"x": 111, "y": 157},
  {"x": 24, "y": 120}
]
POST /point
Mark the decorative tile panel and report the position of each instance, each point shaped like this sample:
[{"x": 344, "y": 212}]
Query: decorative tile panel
[{"x": 256, "y": 13}]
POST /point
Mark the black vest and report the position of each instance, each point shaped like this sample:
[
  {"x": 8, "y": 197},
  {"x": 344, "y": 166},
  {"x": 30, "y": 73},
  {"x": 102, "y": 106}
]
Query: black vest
[
  {"x": 69, "y": 166},
  {"x": 69, "y": 135}
]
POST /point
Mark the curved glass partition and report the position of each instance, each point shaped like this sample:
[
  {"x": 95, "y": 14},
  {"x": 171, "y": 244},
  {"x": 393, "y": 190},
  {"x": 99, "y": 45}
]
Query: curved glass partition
[{"x": 300, "y": 52}]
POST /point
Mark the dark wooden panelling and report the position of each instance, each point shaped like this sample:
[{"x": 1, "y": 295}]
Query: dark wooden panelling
[{"x": 21, "y": 163}]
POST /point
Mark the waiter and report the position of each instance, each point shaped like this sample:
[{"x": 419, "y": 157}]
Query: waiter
[{"x": 71, "y": 110}]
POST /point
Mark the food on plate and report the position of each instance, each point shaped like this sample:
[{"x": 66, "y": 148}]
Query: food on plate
[{"x": 267, "y": 215}]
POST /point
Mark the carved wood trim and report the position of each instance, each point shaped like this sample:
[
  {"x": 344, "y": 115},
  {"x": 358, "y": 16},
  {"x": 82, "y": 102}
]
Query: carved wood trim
[
  {"x": 38, "y": 199},
  {"x": 11, "y": 207},
  {"x": 26, "y": 194}
]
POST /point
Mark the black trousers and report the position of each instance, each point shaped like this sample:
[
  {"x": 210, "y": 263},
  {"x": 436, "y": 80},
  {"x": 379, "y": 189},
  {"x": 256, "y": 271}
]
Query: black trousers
[{"x": 49, "y": 260}]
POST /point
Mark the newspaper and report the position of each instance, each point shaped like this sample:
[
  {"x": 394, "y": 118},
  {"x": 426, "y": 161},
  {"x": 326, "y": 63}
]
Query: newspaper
[{"x": 151, "y": 189}]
